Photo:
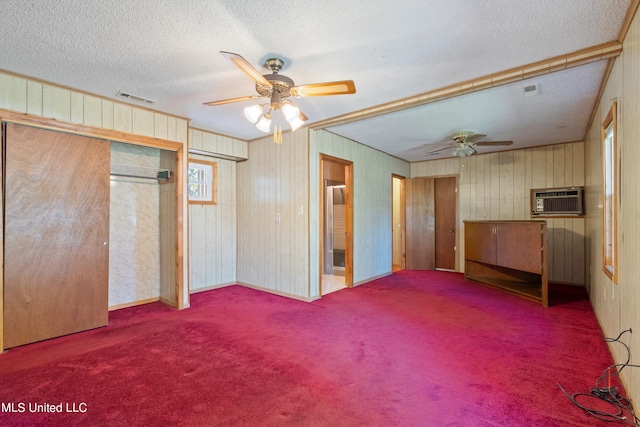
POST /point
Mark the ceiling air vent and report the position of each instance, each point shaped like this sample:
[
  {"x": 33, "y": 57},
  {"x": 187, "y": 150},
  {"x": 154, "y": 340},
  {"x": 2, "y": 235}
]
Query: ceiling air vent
[
  {"x": 531, "y": 90},
  {"x": 135, "y": 98}
]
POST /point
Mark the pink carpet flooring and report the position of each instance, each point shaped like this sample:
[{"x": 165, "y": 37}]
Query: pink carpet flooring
[{"x": 411, "y": 349}]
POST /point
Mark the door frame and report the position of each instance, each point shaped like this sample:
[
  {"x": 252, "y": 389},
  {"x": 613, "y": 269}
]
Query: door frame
[
  {"x": 403, "y": 223},
  {"x": 348, "y": 178},
  {"x": 181, "y": 285}
]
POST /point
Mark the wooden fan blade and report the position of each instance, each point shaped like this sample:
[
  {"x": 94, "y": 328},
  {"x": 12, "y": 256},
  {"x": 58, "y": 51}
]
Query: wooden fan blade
[
  {"x": 246, "y": 68},
  {"x": 230, "y": 100},
  {"x": 448, "y": 147},
  {"x": 479, "y": 143},
  {"x": 343, "y": 87}
]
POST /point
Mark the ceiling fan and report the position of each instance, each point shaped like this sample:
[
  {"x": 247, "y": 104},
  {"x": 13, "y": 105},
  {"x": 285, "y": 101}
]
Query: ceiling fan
[
  {"x": 463, "y": 143},
  {"x": 278, "y": 88}
]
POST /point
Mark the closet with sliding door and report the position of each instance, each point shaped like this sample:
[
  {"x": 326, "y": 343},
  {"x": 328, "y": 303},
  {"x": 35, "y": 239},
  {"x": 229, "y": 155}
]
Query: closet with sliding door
[
  {"x": 76, "y": 240},
  {"x": 56, "y": 233}
]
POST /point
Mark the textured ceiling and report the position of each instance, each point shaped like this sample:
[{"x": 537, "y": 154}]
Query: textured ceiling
[{"x": 168, "y": 51}]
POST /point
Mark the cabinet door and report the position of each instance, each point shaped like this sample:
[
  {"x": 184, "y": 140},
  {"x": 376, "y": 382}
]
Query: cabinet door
[
  {"x": 56, "y": 257},
  {"x": 520, "y": 246},
  {"x": 480, "y": 242}
]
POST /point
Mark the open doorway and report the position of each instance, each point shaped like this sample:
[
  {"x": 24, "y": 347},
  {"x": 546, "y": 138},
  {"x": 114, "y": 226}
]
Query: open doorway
[
  {"x": 336, "y": 191},
  {"x": 397, "y": 223}
]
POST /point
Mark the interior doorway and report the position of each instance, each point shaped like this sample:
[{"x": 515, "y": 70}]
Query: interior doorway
[
  {"x": 336, "y": 259},
  {"x": 398, "y": 225}
]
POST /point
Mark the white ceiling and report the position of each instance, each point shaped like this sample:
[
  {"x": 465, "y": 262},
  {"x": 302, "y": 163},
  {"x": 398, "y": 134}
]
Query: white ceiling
[{"x": 168, "y": 51}]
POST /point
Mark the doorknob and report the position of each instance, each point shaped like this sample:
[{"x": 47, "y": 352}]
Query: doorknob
[{"x": 453, "y": 230}]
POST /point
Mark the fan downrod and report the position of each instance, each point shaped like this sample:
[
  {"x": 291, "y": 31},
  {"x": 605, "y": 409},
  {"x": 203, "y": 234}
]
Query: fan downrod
[{"x": 274, "y": 64}]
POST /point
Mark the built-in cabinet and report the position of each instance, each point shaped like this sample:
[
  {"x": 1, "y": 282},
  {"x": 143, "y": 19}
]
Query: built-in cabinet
[{"x": 509, "y": 255}]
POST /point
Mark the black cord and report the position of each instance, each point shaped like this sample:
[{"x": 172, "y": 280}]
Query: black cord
[{"x": 604, "y": 391}]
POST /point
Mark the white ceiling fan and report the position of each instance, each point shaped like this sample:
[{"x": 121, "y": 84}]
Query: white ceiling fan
[
  {"x": 463, "y": 143},
  {"x": 277, "y": 89}
]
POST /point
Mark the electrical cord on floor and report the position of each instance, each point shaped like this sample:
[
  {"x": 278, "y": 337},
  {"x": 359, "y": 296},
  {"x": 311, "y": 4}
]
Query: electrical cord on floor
[{"x": 622, "y": 410}]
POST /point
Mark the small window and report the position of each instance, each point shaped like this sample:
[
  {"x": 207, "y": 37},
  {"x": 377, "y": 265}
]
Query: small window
[
  {"x": 202, "y": 182},
  {"x": 610, "y": 195}
]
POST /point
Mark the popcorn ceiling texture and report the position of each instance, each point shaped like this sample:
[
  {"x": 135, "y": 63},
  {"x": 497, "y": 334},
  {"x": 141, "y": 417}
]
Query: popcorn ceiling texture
[{"x": 169, "y": 51}]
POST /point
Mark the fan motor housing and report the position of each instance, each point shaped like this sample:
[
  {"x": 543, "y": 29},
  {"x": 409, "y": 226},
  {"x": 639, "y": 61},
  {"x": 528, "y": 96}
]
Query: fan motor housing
[{"x": 282, "y": 84}]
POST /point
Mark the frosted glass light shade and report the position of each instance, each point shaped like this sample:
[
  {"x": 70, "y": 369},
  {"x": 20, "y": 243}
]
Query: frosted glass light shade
[
  {"x": 264, "y": 124},
  {"x": 296, "y": 123},
  {"x": 253, "y": 113},
  {"x": 290, "y": 112}
]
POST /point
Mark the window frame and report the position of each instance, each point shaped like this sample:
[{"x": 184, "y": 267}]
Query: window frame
[
  {"x": 610, "y": 195},
  {"x": 210, "y": 168}
]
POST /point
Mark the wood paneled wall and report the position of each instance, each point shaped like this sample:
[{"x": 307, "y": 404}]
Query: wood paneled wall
[
  {"x": 616, "y": 306},
  {"x": 274, "y": 255},
  {"x": 29, "y": 96},
  {"x": 26, "y": 95},
  {"x": 372, "y": 205},
  {"x": 496, "y": 186},
  {"x": 213, "y": 228}
]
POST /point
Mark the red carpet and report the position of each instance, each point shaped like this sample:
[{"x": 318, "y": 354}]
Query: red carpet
[{"x": 411, "y": 349}]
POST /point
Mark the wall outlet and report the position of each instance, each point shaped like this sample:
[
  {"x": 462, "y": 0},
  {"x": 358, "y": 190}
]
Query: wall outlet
[
  {"x": 278, "y": 217},
  {"x": 300, "y": 210}
]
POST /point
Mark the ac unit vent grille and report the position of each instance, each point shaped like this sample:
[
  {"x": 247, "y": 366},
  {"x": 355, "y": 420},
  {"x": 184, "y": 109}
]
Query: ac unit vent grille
[{"x": 557, "y": 202}]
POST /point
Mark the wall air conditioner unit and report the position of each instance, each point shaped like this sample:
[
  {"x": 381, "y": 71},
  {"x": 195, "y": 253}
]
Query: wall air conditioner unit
[{"x": 557, "y": 202}]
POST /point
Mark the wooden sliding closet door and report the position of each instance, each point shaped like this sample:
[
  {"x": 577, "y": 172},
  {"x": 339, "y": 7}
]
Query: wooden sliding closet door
[{"x": 56, "y": 254}]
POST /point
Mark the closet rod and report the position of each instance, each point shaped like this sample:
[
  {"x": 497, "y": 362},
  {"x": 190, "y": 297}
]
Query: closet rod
[{"x": 140, "y": 172}]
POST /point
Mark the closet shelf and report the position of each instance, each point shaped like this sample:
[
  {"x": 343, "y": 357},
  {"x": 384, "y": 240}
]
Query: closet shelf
[{"x": 140, "y": 172}]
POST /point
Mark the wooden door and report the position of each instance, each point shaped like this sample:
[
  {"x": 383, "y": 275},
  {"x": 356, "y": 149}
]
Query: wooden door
[
  {"x": 445, "y": 222},
  {"x": 56, "y": 257},
  {"x": 420, "y": 224}
]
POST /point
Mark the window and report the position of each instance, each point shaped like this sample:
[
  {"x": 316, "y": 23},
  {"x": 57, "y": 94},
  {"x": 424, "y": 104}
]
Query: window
[
  {"x": 610, "y": 195},
  {"x": 202, "y": 182}
]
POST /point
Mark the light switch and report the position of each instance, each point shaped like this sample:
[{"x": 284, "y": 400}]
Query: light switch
[
  {"x": 278, "y": 217},
  {"x": 300, "y": 210}
]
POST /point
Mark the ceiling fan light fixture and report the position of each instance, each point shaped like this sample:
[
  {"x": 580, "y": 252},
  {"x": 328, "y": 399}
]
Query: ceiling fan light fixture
[
  {"x": 291, "y": 112},
  {"x": 296, "y": 123},
  {"x": 462, "y": 150},
  {"x": 253, "y": 112},
  {"x": 264, "y": 125}
]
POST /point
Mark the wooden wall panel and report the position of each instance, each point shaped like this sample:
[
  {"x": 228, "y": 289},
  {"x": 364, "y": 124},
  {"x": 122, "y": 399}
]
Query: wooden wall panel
[
  {"x": 616, "y": 306},
  {"x": 496, "y": 186},
  {"x": 13, "y": 93},
  {"x": 34, "y": 98},
  {"x": 273, "y": 255},
  {"x": 168, "y": 213},
  {"x": 213, "y": 228}
]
